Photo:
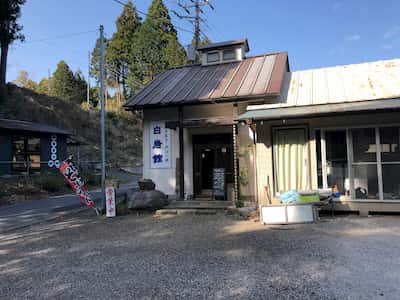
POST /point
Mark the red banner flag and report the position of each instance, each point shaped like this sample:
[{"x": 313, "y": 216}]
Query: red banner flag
[{"x": 71, "y": 174}]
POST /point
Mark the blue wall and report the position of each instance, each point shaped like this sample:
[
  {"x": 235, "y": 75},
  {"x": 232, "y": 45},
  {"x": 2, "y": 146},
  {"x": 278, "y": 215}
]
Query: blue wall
[
  {"x": 45, "y": 149},
  {"x": 5, "y": 152}
]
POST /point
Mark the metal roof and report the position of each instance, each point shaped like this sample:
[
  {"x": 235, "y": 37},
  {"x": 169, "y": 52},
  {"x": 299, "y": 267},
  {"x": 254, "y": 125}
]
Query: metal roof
[
  {"x": 252, "y": 78},
  {"x": 30, "y": 126},
  {"x": 319, "y": 110},
  {"x": 352, "y": 86},
  {"x": 357, "y": 82},
  {"x": 225, "y": 44}
]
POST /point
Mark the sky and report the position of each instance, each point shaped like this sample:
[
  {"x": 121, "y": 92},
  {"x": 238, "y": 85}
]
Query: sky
[{"x": 314, "y": 33}]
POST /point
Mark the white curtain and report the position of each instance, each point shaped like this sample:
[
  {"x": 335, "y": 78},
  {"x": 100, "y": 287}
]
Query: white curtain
[{"x": 291, "y": 159}]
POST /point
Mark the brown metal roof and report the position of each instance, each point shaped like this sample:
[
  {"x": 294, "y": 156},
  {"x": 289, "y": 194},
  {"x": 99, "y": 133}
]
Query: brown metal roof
[{"x": 254, "y": 77}]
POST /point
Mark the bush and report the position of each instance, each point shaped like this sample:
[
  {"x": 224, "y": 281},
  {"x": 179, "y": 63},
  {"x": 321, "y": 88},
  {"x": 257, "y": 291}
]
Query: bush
[{"x": 51, "y": 182}]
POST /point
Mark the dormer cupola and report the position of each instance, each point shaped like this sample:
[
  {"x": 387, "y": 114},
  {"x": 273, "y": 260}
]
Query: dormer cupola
[{"x": 223, "y": 52}]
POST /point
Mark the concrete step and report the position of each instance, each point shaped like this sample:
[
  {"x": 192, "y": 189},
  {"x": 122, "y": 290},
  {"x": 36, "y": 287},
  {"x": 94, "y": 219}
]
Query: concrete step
[
  {"x": 187, "y": 211},
  {"x": 193, "y": 204}
]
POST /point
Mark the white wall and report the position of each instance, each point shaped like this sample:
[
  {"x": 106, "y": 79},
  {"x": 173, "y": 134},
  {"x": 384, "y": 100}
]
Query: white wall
[{"x": 165, "y": 179}]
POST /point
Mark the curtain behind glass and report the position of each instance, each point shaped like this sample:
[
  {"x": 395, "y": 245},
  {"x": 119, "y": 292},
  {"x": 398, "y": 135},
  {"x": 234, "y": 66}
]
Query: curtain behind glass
[{"x": 291, "y": 159}]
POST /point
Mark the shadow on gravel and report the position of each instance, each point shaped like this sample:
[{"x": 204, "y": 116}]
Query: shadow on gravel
[{"x": 199, "y": 257}]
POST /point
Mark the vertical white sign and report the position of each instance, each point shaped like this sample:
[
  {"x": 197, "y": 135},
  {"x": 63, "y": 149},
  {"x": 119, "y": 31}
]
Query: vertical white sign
[
  {"x": 160, "y": 146},
  {"x": 110, "y": 201}
]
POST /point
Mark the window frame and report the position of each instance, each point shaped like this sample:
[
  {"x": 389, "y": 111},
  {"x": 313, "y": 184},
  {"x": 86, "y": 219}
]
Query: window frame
[
  {"x": 211, "y": 53},
  {"x": 26, "y": 153},
  {"x": 350, "y": 161},
  {"x": 228, "y": 50}
]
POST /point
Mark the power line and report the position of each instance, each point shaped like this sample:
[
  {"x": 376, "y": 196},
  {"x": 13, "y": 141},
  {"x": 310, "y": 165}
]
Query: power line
[
  {"x": 147, "y": 16},
  {"x": 60, "y": 36}
]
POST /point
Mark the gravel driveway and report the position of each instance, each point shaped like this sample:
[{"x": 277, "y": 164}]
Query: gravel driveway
[{"x": 201, "y": 257}]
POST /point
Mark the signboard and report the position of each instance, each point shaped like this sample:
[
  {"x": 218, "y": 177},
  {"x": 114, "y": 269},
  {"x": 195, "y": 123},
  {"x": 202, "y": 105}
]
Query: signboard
[
  {"x": 110, "y": 201},
  {"x": 53, "y": 162},
  {"x": 71, "y": 174},
  {"x": 160, "y": 146},
  {"x": 219, "y": 182}
]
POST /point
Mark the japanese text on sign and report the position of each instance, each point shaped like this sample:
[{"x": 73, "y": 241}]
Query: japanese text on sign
[{"x": 160, "y": 144}]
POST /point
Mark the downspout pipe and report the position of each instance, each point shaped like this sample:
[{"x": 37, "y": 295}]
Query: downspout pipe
[{"x": 181, "y": 156}]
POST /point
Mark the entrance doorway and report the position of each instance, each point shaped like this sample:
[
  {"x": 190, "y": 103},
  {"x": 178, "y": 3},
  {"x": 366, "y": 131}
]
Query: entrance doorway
[{"x": 211, "y": 152}]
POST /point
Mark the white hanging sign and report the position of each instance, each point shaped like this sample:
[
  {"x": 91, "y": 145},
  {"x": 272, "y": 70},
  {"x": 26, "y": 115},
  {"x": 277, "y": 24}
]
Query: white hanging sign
[
  {"x": 53, "y": 162},
  {"x": 160, "y": 146},
  {"x": 110, "y": 201}
]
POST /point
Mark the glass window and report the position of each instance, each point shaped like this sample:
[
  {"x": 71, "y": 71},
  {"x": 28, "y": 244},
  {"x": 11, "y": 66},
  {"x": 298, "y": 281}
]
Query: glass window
[
  {"x": 291, "y": 159},
  {"x": 364, "y": 145},
  {"x": 26, "y": 154},
  {"x": 365, "y": 182},
  {"x": 34, "y": 144},
  {"x": 336, "y": 161},
  {"x": 319, "y": 159},
  {"x": 229, "y": 54},
  {"x": 213, "y": 56},
  {"x": 390, "y": 144},
  {"x": 391, "y": 182}
]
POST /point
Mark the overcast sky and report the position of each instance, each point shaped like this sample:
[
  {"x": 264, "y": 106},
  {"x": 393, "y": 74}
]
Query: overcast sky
[{"x": 315, "y": 33}]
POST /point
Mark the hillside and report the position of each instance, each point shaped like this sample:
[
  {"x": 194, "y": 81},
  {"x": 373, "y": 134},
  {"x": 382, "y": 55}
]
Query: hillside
[{"x": 123, "y": 129}]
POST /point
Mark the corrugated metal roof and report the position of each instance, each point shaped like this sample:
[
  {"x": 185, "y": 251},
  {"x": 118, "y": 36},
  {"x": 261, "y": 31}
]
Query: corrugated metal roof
[
  {"x": 30, "y": 126},
  {"x": 319, "y": 110},
  {"x": 253, "y": 77},
  {"x": 349, "y": 83}
]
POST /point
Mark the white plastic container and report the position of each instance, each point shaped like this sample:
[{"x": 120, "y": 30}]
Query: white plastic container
[{"x": 293, "y": 213}]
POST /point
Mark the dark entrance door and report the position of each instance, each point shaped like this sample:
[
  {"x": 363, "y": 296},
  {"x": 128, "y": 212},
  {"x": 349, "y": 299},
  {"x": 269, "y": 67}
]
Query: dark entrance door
[{"x": 211, "y": 151}]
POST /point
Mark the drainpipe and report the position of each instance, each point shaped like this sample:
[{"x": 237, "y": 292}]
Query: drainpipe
[
  {"x": 181, "y": 156},
  {"x": 253, "y": 127}
]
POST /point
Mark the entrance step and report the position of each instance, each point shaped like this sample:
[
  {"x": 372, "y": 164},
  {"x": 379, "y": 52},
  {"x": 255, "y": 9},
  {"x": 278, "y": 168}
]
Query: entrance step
[
  {"x": 196, "y": 204},
  {"x": 194, "y": 207},
  {"x": 186, "y": 211}
]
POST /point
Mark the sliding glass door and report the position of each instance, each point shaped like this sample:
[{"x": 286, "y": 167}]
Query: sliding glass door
[
  {"x": 291, "y": 159},
  {"x": 390, "y": 160},
  {"x": 360, "y": 162}
]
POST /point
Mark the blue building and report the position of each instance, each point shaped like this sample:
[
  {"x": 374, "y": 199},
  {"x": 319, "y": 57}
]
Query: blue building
[{"x": 27, "y": 148}]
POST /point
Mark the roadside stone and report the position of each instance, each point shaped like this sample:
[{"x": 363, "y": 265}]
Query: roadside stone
[{"x": 150, "y": 200}]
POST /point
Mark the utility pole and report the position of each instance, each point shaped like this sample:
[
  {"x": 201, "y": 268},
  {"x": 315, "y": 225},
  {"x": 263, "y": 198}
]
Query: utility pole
[
  {"x": 196, "y": 36},
  {"x": 195, "y": 19},
  {"x": 103, "y": 137},
  {"x": 88, "y": 84}
]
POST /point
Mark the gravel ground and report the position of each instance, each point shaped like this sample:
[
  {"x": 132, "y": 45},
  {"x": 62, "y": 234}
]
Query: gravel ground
[{"x": 201, "y": 257}]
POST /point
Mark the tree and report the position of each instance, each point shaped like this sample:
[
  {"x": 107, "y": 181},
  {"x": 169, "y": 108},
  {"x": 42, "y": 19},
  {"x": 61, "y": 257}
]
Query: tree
[
  {"x": 79, "y": 88},
  {"x": 62, "y": 82},
  {"x": 43, "y": 86},
  {"x": 157, "y": 42},
  {"x": 95, "y": 60},
  {"x": 10, "y": 31},
  {"x": 111, "y": 80},
  {"x": 24, "y": 81},
  {"x": 118, "y": 55}
]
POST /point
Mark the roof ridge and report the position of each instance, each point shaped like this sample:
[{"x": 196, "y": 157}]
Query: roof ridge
[{"x": 348, "y": 65}]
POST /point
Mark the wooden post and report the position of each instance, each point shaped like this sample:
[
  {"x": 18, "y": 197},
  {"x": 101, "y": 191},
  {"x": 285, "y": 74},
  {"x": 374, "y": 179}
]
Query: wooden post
[{"x": 181, "y": 157}]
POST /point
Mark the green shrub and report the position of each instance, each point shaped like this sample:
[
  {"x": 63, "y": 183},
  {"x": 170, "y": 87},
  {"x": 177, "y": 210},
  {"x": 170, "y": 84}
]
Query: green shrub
[
  {"x": 244, "y": 176},
  {"x": 122, "y": 208},
  {"x": 51, "y": 182}
]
